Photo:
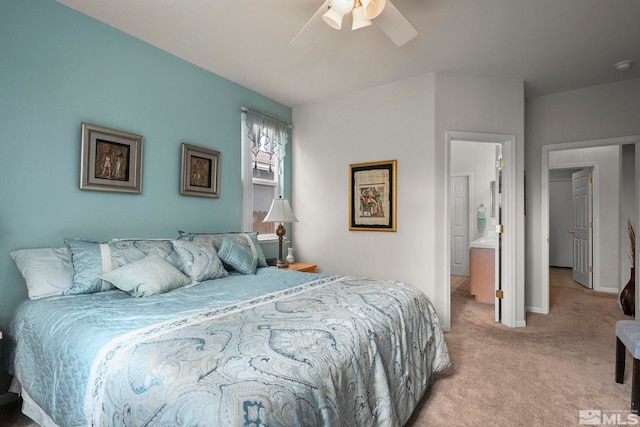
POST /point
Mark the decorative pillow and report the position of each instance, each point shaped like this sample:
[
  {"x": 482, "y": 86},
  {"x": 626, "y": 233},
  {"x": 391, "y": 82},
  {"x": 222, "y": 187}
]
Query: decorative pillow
[
  {"x": 91, "y": 258},
  {"x": 248, "y": 240},
  {"x": 47, "y": 271},
  {"x": 126, "y": 251},
  {"x": 238, "y": 256},
  {"x": 199, "y": 262},
  {"x": 149, "y": 276}
]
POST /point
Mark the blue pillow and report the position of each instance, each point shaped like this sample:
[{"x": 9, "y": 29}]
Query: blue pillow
[
  {"x": 199, "y": 262},
  {"x": 249, "y": 240},
  {"x": 87, "y": 259},
  {"x": 149, "y": 276},
  {"x": 91, "y": 258},
  {"x": 237, "y": 257}
]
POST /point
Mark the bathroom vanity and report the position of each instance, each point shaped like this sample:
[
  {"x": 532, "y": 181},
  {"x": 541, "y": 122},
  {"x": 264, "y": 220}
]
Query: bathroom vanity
[{"x": 482, "y": 269}]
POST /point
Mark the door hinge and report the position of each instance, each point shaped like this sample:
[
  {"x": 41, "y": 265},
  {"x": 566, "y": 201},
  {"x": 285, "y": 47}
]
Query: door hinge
[
  {"x": 499, "y": 228},
  {"x": 590, "y": 224},
  {"x": 499, "y": 294},
  {"x": 591, "y": 269},
  {"x": 591, "y": 180},
  {"x": 501, "y": 163}
]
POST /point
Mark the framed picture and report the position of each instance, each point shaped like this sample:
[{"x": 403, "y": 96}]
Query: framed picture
[
  {"x": 372, "y": 196},
  {"x": 199, "y": 172},
  {"x": 110, "y": 160}
]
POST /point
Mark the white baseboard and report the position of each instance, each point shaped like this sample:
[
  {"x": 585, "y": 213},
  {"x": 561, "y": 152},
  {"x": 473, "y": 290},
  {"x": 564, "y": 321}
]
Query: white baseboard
[
  {"x": 607, "y": 290},
  {"x": 537, "y": 310}
]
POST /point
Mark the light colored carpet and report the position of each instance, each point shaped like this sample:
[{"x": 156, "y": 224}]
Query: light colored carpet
[{"x": 540, "y": 375}]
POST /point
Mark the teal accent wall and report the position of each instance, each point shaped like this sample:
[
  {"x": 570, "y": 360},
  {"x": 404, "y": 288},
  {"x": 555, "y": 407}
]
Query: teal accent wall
[{"x": 59, "y": 68}]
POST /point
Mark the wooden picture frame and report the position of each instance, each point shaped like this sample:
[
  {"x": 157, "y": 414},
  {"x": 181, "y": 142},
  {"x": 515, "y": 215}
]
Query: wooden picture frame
[
  {"x": 372, "y": 196},
  {"x": 110, "y": 160},
  {"x": 200, "y": 171}
]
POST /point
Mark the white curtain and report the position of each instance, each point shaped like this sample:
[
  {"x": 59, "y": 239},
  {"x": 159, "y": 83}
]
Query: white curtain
[
  {"x": 259, "y": 133},
  {"x": 266, "y": 134}
]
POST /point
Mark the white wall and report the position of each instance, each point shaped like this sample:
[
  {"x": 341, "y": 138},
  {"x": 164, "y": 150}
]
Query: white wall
[
  {"x": 595, "y": 113},
  {"x": 477, "y": 159},
  {"x": 605, "y": 208},
  {"x": 627, "y": 208},
  {"x": 392, "y": 121},
  {"x": 466, "y": 102}
]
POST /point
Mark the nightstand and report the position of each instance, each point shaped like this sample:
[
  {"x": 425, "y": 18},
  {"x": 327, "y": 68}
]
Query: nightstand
[{"x": 301, "y": 266}]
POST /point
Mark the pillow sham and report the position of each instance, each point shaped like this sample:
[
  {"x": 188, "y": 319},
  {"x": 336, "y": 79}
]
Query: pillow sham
[
  {"x": 46, "y": 271},
  {"x": 149, "y": 276},
  {"x": 199, "y": 262},
  {"x": 249, "y": 240},
  {"x": 92, "y": 258},
  {"x": 238, "y": 256}
]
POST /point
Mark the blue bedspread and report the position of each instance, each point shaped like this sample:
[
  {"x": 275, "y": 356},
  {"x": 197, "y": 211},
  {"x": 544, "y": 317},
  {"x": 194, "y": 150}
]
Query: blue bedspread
[{"x": 267, "y": 350}]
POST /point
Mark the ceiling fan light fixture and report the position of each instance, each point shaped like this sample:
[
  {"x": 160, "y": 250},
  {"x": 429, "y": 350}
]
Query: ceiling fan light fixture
[
  {"x": 333, "y": 18},
  {"x": 373, "y": 8},
  {"x": 359, "y": 20},
  {"x": 342, "y": 6}
]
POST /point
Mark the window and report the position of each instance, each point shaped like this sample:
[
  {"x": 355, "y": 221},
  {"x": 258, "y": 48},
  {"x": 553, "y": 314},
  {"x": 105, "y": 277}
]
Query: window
[
  {"x": 263, "y": 148},
  {"x": 265, "y": 188}
]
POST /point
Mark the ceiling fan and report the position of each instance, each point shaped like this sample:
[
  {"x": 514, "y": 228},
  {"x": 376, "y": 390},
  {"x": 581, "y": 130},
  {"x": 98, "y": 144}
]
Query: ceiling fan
[{"x": 364, "y": 12}]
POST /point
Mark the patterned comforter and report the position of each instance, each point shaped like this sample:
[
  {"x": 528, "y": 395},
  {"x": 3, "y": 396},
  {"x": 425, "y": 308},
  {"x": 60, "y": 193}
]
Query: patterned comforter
[{"x": 335, "y": 351}]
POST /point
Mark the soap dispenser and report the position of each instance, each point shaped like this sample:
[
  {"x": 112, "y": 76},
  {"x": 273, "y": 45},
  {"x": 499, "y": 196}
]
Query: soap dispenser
[{"x": 482, "y": 217}]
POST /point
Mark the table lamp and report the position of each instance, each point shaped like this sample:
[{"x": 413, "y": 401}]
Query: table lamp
[{"x": 281, "y": 212}]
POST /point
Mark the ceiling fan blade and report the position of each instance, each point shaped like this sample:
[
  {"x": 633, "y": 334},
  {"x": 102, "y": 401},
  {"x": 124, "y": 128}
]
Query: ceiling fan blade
[
  {"x": 312, "y": 28},
  {"x": 395, "y": 25}
]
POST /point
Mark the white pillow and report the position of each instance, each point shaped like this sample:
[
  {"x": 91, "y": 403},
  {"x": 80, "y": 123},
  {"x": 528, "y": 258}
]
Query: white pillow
[
  {"x": 149, "y": 276},
  {"x": 47, "y": 271}
]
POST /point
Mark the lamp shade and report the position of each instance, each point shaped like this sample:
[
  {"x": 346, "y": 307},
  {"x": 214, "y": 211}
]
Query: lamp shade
[
  {"x": 359, "y": 21},
  {"x": 333, "y": 18},
  {"x": 372, "y": 8},
  {"x": 280, "y": 211}
]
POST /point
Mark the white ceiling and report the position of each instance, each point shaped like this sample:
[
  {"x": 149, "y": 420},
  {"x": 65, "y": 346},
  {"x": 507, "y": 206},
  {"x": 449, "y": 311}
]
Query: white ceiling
[{"x": 553, "y": 45}]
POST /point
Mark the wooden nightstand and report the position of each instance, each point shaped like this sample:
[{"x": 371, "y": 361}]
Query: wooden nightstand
[{"x": 301, "y": 266}]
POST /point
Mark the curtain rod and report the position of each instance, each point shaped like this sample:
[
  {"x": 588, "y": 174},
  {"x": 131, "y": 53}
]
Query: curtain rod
[{"x": 260, "y": 113}]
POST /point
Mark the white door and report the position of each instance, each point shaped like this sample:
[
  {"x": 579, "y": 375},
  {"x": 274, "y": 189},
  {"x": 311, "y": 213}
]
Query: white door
[
  {"x": 582, "y": 229},
  {"x": 459, "y": 211}
]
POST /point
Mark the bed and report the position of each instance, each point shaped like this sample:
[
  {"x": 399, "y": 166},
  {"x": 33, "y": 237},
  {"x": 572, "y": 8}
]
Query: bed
[{"x": 253, "y": 346}]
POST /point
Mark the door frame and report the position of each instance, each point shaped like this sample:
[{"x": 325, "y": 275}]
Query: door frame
[
  {"x": 509, "y": 261},
  {"x": 544, "y": 211}
]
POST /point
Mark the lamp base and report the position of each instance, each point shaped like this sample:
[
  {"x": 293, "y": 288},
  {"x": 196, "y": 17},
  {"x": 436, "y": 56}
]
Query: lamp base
[{"x": 281, "y": 231}]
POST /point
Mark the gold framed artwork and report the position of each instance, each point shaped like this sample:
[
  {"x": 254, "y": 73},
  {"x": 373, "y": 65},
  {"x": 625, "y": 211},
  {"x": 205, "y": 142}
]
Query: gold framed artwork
[
  {"x": 110, "y": 160},
  {"x": 372, "y": 196},
  {"x": 200, "y": 171}
]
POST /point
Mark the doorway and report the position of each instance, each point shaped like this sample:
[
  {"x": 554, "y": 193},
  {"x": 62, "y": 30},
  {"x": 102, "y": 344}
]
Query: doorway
[
  {"x": 505, "y": 308},
  {"x": 571, "y": 220},
  {"x": 613, "y": 204}
]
